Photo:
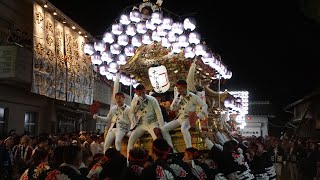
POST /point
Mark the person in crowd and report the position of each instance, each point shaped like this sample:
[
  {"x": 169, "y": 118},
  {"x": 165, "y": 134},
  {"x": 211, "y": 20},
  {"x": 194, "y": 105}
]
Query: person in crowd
[
  {"x": 95, "y": 145},
  {"x": 186, "y": 103},
  {"x": 146, "y": 116},
  {"x": 159, "y": 169},
  {"x": 164, "y": 111},
  {"x": 118, "y": 116},
  {"x": 200, "y": 170},
  {"x": 87, "y": 159},
  {"x": 265, "y": 156},
  {"x": 276, "y": 155},
  {"x": 291, "y": 158},
  {"x": 39, "y": 164},
  {"x": 312, "y": 158},
  {"x": 88, "y": 141},
  {"x": 22, "y": 154},
  {"x": 137, "y": 159},
  {"x": 257, "y": 163}
]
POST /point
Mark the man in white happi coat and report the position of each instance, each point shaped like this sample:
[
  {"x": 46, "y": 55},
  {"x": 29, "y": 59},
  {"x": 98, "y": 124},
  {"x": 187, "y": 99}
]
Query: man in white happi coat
[
  {"x": 146, "y": 116},
  {"x": 186, "y": 103},
  {"x": 118, "y": 116}
]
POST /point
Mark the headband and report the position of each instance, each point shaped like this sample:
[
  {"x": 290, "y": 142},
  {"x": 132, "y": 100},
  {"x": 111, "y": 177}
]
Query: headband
[{"x": 164, "y": 156}]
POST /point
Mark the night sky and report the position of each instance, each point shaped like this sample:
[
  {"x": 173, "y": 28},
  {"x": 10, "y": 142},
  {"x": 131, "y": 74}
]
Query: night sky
[{"x": 269, "y": 45}]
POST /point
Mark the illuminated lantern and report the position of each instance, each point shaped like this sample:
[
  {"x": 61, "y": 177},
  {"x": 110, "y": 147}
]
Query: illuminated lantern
[
  {"x": 207, "y": 58},
  {"x": 96, "y": 59},
  {"x": 131, "y": 30},
  {"x": 117, "y": 29},
  {"x": 125, "y": 80},
  {"x": 172, "y": 37},
  {"x": 103, "y": 70},
  {"x": 199, "y": 50},
  {"x": 150, "y": 25},
  {"x": 135, "y": 16},
  {"x": 183, "y": 41},
  {"x": 113, "y": 67},
  {"x": 99, "y": 46},
  {"x": 161, "y": 31},
  {"x": 167, "y": 23},
  {"x": 129, "y": 50},
  {"x": 124, "y": 19},
  {"x": 146, "y": 39},
  {"x": 108, "y": 38},
  {"x": 135, "y": 41},
  {"x": 189, "y": 24},
  {"x": 188, "y": 52},
  {"x": 115, "y": 48},
  {"x": 177, "y": 28},
  {"x": 194, "y": 38},
  {"x": 141, "y": 28},
  {"x": 88, "y": 49},
  {"x": 107, "y": 57},
  {"x": 176, "y": 48},
  {"x": 155, "y": 36},
  {"x": 156, "y": 17},
  {"x": 165, "y": 42},
  {"x": 123, "y": 40},
  {"x": 110, "y": 76},
  {"x": 159, "y": 79},
  {"x": 122, "y": 59}
]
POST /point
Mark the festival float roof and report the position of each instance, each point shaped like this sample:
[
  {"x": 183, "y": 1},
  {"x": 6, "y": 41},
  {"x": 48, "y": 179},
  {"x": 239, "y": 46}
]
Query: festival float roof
[{"x": 147, "y": 35}]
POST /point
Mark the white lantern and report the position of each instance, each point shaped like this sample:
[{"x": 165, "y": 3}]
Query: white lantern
[
  {"x": 167, "y": 23},
  {"x": 99, "y": 46},
  {"x": 88, "y": 49},
  {"x": 121, "y": 59},
  {"x": 110, "y": 76},
  {"x": 165, "y": 42},
  {"x": 189, "y": 24},
  {"x": 150, "y": 25},
  {"x": 117, "y": 29},
  {"x": 172, "y": 37},
  {"x": 188, "y": 52},
  {"x": 131, "y": 30},
  {"x": 200, "y": 50},
  {"x": 129, "y": 50},
  {"x": 103, "y": 70},
  {"x": 115, "y": 48},
  {"x": 177, "y": 28},
  {"x": 156, "y": 17},
  {"x": 135, "y": 16},
  {"x": 123, "y": 40},
  {"x": 159, "y": 79},
  {"x": 155, "y": 36},
  {"x": 134, "y": 83},
  {"x": 161, "y": 31},
  {"x": 183, "y": 41},
  {"x": 194, "y": 38},
  {"x": 135, "y": 41},
  {"x": 207, "y": 58},
  {"x": 124, "y": 19},
  {"x": 228, "y": 75},
  {"x": 146, "y": 39},
  {"x": 96, "y": 59},
  {"x": 176, "y": 48},
  {"x": 108, "y": 38},
  {"x": 113, "y": 67},
  {"x": 141, "y": 28},
  {"x": 107, "y": 57},
  {"x": 125, "y": 80}
]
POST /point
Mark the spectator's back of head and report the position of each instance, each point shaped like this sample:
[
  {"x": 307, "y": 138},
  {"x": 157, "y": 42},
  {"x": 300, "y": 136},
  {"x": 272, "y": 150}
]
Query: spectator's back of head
[{"x": 72, "y": 155}]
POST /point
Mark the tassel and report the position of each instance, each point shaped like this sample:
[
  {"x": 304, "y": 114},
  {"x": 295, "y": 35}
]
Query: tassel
[
  {"x": 190, "y": 78},
  {"x": 115, "y": 90}
]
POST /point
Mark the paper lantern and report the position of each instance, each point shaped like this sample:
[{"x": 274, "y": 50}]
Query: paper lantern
[
  {"x": 188, "y": 52},
  {"x": 99, "y": 46},
  {"x": 131, "y": 30},
  {"x": 176, "y": 48},
  {"x": 146, "y": 39},
  {"x": 88, "y": 49},
  {"x": 113, "y": 67},
  {"x": 141, "y": 28},
  {"x": 161, "y": 31},
  {"x": 124, "y": 19},
  {"x": 117, "y": 29},
  {"x": 194, "y": 38},
  {"x": 121, "y": 59},
  {"x": 135, "y": 16},
  {"x": 156, "y": 17},
  {"x": 150, "y": 25},
  {"x": 103, "y": 70},
  {"x": 207, "y": 58},
  {"x": 96, "y": 59},
  {"x": 110, "y": 76},
  {"x": 189, "y": 24},
  {"x": 123, "y": 40},
  {"x": 135, "y": 41},
  {"x": 108, "y": 38},
  {"x": 159, "y": 79},
  {"x": 165, "y": 42},
  {"x": 115, "y": 48},
  {"x": 107, "y": 57},
  {"x": 200, "y": 50},
  {"x": 155, "y": 36},
  {"x": 183, "y": 41},
  {"x": 172, "y": 37},
  {"x": 129, "y": 50},
  {"x": 177, "y": 28},
  {"x": 167, "y": 23}
]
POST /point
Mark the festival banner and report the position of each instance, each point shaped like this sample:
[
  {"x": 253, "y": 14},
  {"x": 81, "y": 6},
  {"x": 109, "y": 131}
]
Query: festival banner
[
  {"x": 61, "y": 74},
  {"x": 69, "y": 58}
]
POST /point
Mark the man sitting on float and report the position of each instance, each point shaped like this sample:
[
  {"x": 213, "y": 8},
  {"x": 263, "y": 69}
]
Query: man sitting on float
[{"x": 186, "y": 104}]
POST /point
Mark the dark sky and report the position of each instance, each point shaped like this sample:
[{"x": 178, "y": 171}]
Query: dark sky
[{"x": 269, "y": 45}]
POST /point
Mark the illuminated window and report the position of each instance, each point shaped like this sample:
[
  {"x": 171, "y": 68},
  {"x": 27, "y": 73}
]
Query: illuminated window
[{"x": 30, "y": 122}]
